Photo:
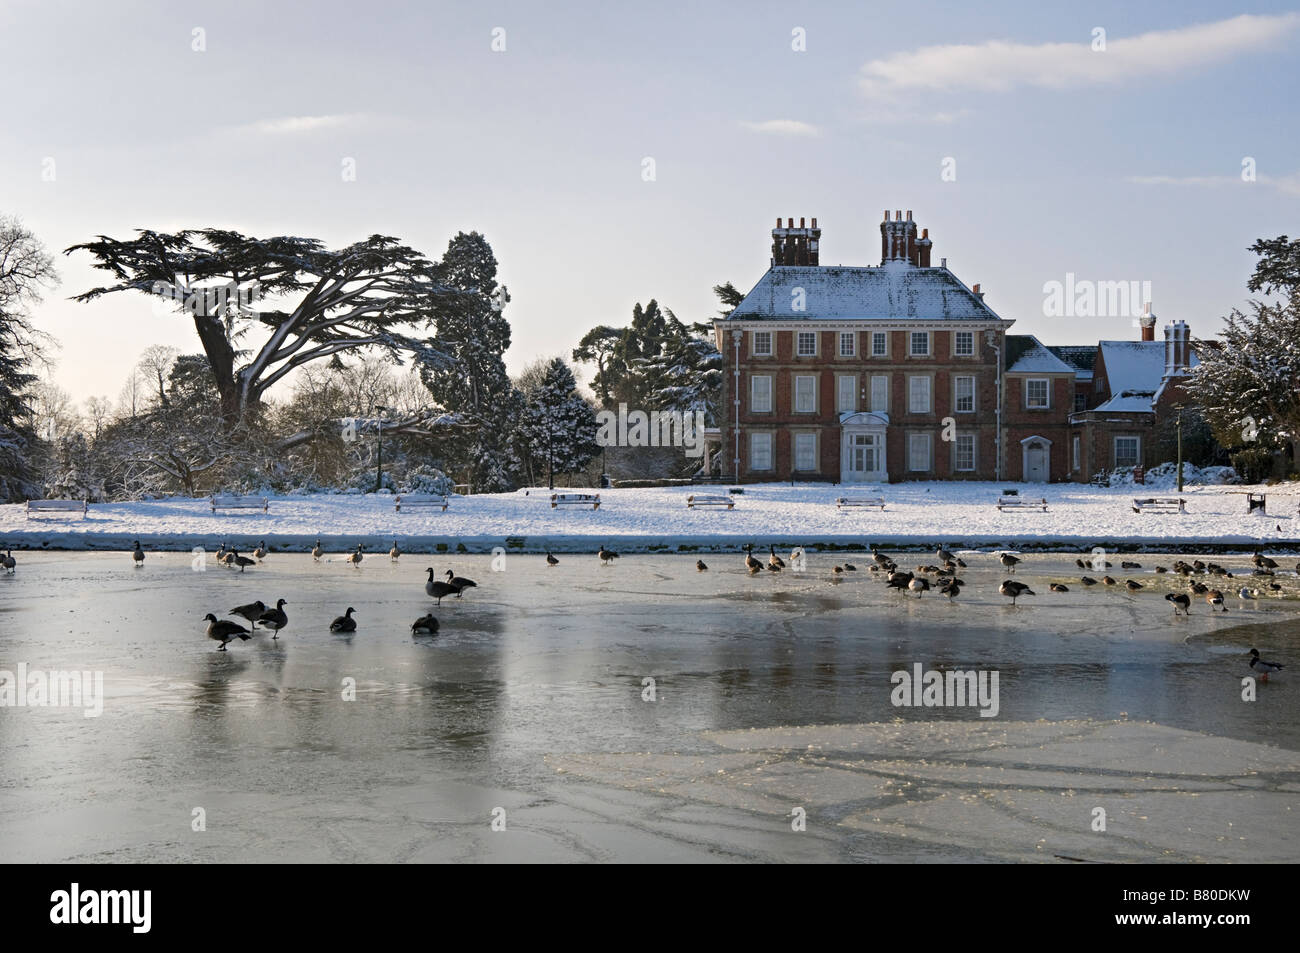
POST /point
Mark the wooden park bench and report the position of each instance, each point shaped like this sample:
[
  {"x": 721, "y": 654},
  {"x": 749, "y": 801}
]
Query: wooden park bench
[
  {"x": 1101, "y": 478},
  {"x": 844, "y": 501},
  {"x": 57, "y": 506},
  {"x": 1158, "y": 504},
  {"x": 1017, "y": 502},
  {"x": 420, "y": 499},
  {"x": 240, "y": 503},
  {"x": 575, "y": 499},
  {"x": 695, "y": 500}
]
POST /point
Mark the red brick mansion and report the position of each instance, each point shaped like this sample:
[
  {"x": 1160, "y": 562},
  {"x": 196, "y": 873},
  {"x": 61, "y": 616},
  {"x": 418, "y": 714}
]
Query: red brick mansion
[{"x": 902, "y": 372}]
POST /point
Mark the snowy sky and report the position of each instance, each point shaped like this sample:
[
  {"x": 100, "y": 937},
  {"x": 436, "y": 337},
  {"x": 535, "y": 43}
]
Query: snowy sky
[{"x": 1117, "y": 165}]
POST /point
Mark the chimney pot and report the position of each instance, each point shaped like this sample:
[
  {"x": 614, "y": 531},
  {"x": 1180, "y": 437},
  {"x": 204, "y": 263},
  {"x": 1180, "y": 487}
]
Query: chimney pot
[
  {"x": 789, "y": 223},
  {"x": 975, "y": 288},
  {"x": 898, "y": 214},
  {"x": 801, "y": 224},
  {"x": 909, "y": 214},
  {"x": 943, "y": 262},
  {"x": 886, "y": 215},
  {"x": 814, "y": 224}
]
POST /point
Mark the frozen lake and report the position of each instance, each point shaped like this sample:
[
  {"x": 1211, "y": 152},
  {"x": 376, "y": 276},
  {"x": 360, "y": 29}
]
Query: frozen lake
[{"x": 530, "y": 701}]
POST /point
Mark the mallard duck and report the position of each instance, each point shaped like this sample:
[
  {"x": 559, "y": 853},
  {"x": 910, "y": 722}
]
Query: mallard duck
[
  {"x": 1058, "y": 587},
  {"x": 220, "y": 630},
  {"x": 551, "y": 560},
  {"x": 1132, "y": 585},
  {"x": 1088, "y": 581},
  {"x": 274, "y": 619},
  {"x": 345, "y": 622},
  {"x": 1264, "y": 668},
  {"x": 1181, "y": 600},
  {"x": 700, "y": 567},
  {"x": 1108, "y": 580},
  {"x": 138, "y": 554}
]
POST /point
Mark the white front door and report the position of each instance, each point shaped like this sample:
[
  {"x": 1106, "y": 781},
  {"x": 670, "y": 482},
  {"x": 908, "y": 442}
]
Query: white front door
[
  {"x": 1035, "y": 462},
  {"x": 864, "y": 457}
]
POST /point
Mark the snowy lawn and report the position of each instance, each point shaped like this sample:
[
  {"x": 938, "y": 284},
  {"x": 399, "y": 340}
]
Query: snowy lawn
[{"x": 956, "y": 514}]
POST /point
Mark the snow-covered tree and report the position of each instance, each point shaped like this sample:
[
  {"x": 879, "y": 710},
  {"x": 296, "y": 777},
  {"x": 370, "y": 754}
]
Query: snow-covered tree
[
  {"x": 686, "y": 375},
  {"x": 26, "y": 271},
  {"x": 557, "y": 432},
  {"x": 472, "y": 334}
]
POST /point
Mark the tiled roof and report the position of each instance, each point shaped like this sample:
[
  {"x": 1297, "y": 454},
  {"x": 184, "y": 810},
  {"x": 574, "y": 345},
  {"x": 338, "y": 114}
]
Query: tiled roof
[
  {"x": 1082, "y": 357},
  {"x": 893, "y": 290},
  {"x": 1027, "y": 355}
]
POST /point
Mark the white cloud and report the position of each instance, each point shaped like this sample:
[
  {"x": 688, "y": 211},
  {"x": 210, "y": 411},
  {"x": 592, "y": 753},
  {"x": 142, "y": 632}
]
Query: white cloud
[
  {"x": 290, "y": 125},
  {"x": 1286, "y": 184},
  {"x": 999, "y": 65},
  {"x": 782, "y": 127}
]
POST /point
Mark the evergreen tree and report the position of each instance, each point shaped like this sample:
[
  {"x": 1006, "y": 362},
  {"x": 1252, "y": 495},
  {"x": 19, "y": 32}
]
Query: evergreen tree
[
  {"x": 558, "y": 429},
  {"x": 26, "y": 270},
  {"x": 474, "y": 333},
  {"x": 686, "y": 376}
]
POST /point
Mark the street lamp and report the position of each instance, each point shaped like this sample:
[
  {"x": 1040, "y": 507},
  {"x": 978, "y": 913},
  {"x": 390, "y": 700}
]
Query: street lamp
[
  {"x": 379, "y": 450},
  {"x": 1179, "y": 408}
]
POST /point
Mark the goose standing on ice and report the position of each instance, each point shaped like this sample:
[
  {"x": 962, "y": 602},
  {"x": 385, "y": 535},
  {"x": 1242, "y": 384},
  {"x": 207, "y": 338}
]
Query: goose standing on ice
[
  {"x": 260, "y": 553},
  {"x": 1264, "y": 668},
  {"x": 774, "y": 561},
  {"x": 606, "y": 556},
  {"x": 1008, "y": 561},
  {"x": 1014, "y": 590},
  {"x": 918, "y": 585},
  {"x": 752, "y": 564},
  {"x": 1181, "y": 600},
  {"x": 138, "y": 555},
  {"x": 355, "y": 558},
  {"x": 252, "y": 612},
  {"x": 1215, "y": 598},
  {"x": 220, "y": 630},
  {"x": 221, "y": 551},
  {"x": 394, "y": 552},
  {"x": 243, "y": 562},
  {"x": 437, "y": 589},
  {"x": 425, "y": 625},
  {"x": 460, "y": 582},
  {"x": 551, "y": 560},
  {"x": 345, "y": 622},
  {"x": 8, "y": 562},
  {"x": 274, "y": 619},
  {"x": 317, "y": 552}
]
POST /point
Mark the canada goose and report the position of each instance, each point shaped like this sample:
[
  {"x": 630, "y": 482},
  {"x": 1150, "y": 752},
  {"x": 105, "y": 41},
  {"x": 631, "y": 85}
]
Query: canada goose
[
  {"x": 752, "y": 564},
  {"x": 355, "y": 558},
  {"x": 943, "y": 555},
  {"x": 1262, "y": 562},
  {"x": 1009, "y": 561},
  {"x": 1258, "y": 664},
  {"x": 950, "y": 589},
  {"x": 460, "y": 582},
  {"x": 1088, "y": 581},
  {"x": 773, "y": 567},
  {"x": 1014, "y": 590},
  {"x": 223, "y": 631},
  {"x": 260, "y": 553},
  {"x": 879, "y": 558},
  {"x": 1199, "y": 588},
  {"x": 425, "y": 625},
  {"x": 1081, "y": 564},
  {"x": 394, "y": 552},
  {"x": 838, "y": 571},
  {"x": 317, "y": 552},
  {"x": 345, "y": 622},
  {"x": 1129, "y": 565},
  {"x": 1132, "y": 585},
  {"x": 1058, "y": 587},
  {"x": 1261, "y": 572},
  {"x": 221, "y": 551},
  {"x": 8, "y": 562},
  {"x": 436, "y": 588},
  {"x": 1108, "y": 580},
  {"x": 919, "y": 586},
  {"x": 229, "y": 559},
  {"x": 1198, "y": 565},
  {"x": 138, "y": 555},
  {"x": 606, "y": 556},
  {"x": 274, "y": 619},
  {"x": 1215, "y": 598},
  {"x": 700, "y": 567},
  {"x": 551, "y": 560},
  {"x": 899, "y": 580},
  {"x": 243, "y": 562},
  {"x": 775, "y": 560},
  {"x": 252, "y": 612},
  {"x": 1181, "y": 600}
]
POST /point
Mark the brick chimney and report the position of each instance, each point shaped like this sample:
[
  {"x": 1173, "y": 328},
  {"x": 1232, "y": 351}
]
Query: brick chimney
[
  {"x": 898, "y": 241},
  {"x": 1178, "y": 349},
  {"x": 796, "y": 246},
  {"x": 1148, "y": 323}
]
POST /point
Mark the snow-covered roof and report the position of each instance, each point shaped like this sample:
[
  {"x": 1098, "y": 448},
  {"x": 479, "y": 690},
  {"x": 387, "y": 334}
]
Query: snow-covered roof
[
  {"x": 1027, "y": 355},
  {"x": 892, "y": 290},
  {"x": 1129, "y": 402},
  {"x": 1133, "y": 365},
  {"x": 1082, "y": 357}
]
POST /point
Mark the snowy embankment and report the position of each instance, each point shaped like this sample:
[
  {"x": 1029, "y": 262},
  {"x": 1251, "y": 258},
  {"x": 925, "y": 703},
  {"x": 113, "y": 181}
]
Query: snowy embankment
[{"x": 630, "y": 520}]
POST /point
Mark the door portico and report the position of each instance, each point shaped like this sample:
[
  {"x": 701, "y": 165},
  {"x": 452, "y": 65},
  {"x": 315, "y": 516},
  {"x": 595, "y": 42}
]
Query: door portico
[
  {"x": 1036, "y": 459},
  {"x": 862, "y": 447}
]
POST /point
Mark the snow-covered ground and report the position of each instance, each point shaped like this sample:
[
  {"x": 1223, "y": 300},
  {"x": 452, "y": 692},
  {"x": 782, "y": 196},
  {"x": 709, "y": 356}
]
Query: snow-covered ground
[{"x": 956, "y": 514}]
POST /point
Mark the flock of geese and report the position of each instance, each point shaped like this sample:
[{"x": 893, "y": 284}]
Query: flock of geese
[{"x": 942, "y": 576}]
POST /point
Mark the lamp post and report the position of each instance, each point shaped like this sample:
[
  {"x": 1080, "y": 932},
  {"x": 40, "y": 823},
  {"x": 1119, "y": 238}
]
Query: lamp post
[
  {"x": 379, "y": 450},
  {"x": 1179, "y": 408},
  {"x": 990, "y": 339}
]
